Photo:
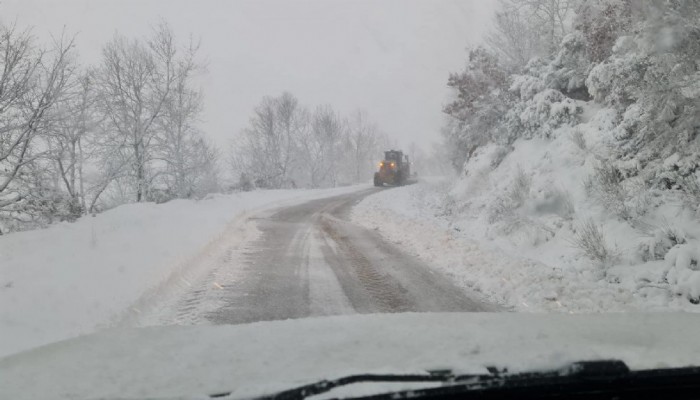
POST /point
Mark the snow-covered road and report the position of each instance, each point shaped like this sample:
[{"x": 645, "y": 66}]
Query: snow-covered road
[
  {"x": 260, "y": 255},
  {"x": 127, "y": 266},
  {"x": 308, "y": 260}
]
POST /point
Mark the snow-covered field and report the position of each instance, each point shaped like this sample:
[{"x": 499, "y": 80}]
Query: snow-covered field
[
  {"x": 76, "y": 278},
  {"x": 529, "y": 261}
]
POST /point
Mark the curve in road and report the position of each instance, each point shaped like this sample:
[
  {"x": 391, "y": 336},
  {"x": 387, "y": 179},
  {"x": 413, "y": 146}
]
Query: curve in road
[{"x": 310, "y": 261}]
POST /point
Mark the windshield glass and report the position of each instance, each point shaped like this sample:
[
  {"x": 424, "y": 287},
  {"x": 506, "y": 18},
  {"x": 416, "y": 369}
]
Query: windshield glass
[{"x": 201, "y": 197}]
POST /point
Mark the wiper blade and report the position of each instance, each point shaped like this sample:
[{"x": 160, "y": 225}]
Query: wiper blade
[
  {"x": 324, "y": 386},
  {"x": 596, "y": 379}
]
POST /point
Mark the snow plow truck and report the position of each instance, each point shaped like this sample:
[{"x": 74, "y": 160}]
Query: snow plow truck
[{"x": 394, "y": 170}]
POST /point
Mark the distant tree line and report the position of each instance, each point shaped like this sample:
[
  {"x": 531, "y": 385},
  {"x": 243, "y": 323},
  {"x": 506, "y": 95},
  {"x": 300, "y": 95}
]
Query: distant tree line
[
  {"x": 75, "y": 140},
  {"x": 288, "y": 145}
]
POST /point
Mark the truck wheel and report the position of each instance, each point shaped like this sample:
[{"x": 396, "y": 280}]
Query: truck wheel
[{"x": 377, "y": 181}]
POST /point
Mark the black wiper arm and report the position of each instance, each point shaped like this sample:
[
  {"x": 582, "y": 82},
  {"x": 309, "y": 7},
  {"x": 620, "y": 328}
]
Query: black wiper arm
[
  {"x": 587, "y": 378},
  {"x": 444, "y": 376},
  {"x": 582, "y": 380},
  {"x": 324, "y": 386}
]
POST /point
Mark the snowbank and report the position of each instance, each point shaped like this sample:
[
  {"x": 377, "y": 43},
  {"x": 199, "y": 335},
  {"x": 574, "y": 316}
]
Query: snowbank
[
  {"x": 511, "y": 228},
  {"x": 74, "y": 278}
]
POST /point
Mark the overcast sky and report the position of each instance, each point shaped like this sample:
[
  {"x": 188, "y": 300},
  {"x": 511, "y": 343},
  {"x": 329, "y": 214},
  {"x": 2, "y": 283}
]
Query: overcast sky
[{"x": 388, "y": 58}]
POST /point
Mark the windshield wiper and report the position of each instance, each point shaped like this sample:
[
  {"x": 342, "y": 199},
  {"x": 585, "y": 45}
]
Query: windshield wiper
[{"x": 587, "y": 379}]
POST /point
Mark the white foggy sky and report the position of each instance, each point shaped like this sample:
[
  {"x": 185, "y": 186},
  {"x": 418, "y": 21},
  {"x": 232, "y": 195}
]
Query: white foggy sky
[{"x": 388, "y": 58}]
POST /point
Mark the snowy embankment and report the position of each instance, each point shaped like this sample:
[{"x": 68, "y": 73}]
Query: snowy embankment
[
  {"x": 506, "y": 270},
  {"x": 74, "y": 278},
  {"x": 534, "y": 227}
]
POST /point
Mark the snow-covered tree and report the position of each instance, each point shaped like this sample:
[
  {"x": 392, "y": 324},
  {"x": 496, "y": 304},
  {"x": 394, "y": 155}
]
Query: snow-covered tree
[
  {"x": 327, "y": 131},
  {"x": 651, "y": 78},
  {"x": 549, "y": 19},
  {"x": 266, "y": 151},
  {"x": 285, "y": 145},
  {"x": 481, "y": 100},
  {"x": 68, "y": 140},
  {"x": 602, "y": 22},
  {"x": 525, "y": 29},
  {"x": 179, "y": 145},
  {"x": 364, "y": 143},
  {"x": 135, "y": 81},
  {"x": 32, "y": 82},
  {"x": 513, "y": 37}
]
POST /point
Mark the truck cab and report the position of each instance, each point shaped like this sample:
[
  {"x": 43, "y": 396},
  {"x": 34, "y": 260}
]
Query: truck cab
[{"x": 395, "y": 169}]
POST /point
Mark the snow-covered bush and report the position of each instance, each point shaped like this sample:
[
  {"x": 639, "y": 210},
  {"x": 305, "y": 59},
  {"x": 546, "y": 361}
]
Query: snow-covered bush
[
  {"x": 481, "y": 99},
  {"x": 691, "y": 192},
  {"x": 520, "y": 189},
  {"x": 601, "y": 22},
  {"x": 611, "y": 187},
  {"x": 673, "y": 172},
  {"x": 605, "y": 185},
  {"x": 684, "y": 270},
  {"x": 659, "y": 241},
  {"x": 611, "y": 82},
  {"x": 569, "y": 69},
  {"x": 531, "y": 81},
  {"x": 590, "y": 239},
  {"x": 498, "y": 154},
  {"x": 553, "y": 200},
  {"x": 514, "y": 197},
  {"x": 500, "y": 209},
  {"x": 545, "y": 112},
  {"x": 578, "y": 139},
  {"x": 542, "y": 107}
]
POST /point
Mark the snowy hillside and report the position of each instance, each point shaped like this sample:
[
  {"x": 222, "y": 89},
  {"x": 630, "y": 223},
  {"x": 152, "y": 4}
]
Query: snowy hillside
[
  {"x": 529, "y": 260},
  {"x": 579, "y": 156}
]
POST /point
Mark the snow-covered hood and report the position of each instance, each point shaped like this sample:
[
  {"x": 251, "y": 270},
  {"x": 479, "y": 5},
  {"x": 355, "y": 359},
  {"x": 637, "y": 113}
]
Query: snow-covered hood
[{"x": 266, "y": 357}]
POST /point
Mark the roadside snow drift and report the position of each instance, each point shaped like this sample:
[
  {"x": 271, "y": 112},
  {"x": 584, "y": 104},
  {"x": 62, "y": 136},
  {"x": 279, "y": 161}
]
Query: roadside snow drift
[
  {"x": 75, "y": 278},
  {"x": 525, "y": 257}
]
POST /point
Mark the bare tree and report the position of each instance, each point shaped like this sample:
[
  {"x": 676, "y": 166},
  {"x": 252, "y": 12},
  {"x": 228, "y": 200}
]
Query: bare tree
[
  {"x": 524, "y": 29},
  {"x": 181, "y": 146},
  {"x": 74, "y": 119},
  {"x": 551, "y": 17},
  {"x": 269, "y": 152},
  {"x": 311, "y": 151},
  {"x": 287, "y": 146},
  {"x": 257, "y": 153},
  {"x": 32, "y": 82},
  {"x": 293, "y": 121},
  {"x": 327, "y": 129},
  {"x": 512, "y": 37},
  {"x": 364, "y": 140},
  {"x": 135, "y": 81},
  {"x": 206, "y": 178}
]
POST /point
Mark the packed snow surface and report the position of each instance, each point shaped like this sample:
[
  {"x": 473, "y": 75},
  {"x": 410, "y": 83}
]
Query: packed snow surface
[{"x": 75, "y": 278}]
